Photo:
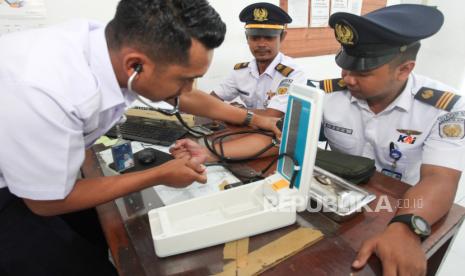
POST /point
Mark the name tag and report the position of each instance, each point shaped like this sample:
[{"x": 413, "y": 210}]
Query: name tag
[
  {"x": 392, "y": 174},
  {"x": 339, "y": 129}
]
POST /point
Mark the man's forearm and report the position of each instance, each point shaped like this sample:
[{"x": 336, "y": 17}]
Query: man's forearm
[
  {"x": 269, "y": 112},
  {"x": 91, "y": 192},
  {"x": 433, "y": 196},
  {"x": 205, "y": 105},
  {"x": 248, "y": 146}
]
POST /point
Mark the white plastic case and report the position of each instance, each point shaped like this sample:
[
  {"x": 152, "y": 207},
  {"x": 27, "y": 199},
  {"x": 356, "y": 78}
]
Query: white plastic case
[{"x": 253, "y": 208}]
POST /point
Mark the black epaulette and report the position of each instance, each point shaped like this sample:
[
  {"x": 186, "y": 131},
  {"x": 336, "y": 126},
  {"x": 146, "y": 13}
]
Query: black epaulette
[
  {"x": 333, "y": 85},
  {"x": 437, "y": 98},
  {"x": 241, "y": 65},
  {"x": 284, "y": 70}
]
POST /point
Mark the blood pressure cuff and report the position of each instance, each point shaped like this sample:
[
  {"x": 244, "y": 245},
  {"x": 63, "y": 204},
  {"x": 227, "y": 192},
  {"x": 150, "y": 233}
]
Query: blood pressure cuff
[{"x": 356, "y": 169}]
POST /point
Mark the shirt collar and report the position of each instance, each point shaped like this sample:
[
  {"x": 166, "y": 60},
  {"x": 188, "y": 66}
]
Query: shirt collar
[
  {"x": 403, "y": 101},
  {"x": 270, "y": 71},
  {"x": 101, "y": 66}
]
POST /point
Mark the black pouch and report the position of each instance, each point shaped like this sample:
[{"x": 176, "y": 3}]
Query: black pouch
[{"x": 356, "y": 169}]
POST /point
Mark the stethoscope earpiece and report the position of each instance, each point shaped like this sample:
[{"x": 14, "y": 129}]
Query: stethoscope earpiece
[{"x": 137, "y": 68}]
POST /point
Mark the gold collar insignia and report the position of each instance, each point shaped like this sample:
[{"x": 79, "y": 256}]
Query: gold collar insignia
[{"x": 427, "y": 94}]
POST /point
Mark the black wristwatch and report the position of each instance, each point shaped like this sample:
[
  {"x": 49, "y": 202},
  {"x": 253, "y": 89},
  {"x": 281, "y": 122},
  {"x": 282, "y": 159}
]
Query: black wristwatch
[
  {"x": 248, "y": 118},
  {"x": 417, "y": 224}
]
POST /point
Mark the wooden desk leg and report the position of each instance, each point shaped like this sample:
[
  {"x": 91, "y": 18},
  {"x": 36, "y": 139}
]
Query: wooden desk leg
[{"x": 435, "y": 261}]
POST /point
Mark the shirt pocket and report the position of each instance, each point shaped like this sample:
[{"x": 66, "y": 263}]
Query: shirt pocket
[{"x": 411, "y": 157}]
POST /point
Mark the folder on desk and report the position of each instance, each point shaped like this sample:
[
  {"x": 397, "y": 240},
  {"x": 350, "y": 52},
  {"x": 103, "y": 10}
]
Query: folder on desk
[{"x": 254, "y": 208}]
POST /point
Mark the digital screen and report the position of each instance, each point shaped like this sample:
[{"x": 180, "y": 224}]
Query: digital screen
[
  {"x": 294, "y": 137},
  {"x": 288, "y": 165}
]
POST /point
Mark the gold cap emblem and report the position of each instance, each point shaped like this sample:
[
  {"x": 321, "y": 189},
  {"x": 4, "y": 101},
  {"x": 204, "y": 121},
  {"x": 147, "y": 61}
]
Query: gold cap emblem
[
  {"x": 260, "y": 15},
  {"x": 344, "y": 34},
  {"x": 427, "y": 94}
]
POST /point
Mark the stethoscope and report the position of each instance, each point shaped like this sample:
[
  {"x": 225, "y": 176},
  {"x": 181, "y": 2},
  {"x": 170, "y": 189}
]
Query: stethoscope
[
  {"x": 168, "y": 112},
  {"x": 175, "y": 112}
]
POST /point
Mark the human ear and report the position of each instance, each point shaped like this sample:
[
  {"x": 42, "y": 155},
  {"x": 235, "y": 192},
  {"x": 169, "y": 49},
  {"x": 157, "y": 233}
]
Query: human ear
[
  {"x": 404, "y": 70},
  {"x": 283, "y": 36},
  {"x": 136, "y": 62}
]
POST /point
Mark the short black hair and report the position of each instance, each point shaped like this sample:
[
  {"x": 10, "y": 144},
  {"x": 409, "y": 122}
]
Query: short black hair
[
  {"x": 163, "y": 29},
  {"x": 409, "y": 54}
]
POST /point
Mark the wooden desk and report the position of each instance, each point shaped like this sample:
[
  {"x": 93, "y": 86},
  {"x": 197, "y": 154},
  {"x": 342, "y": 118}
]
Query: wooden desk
[{"x": 127, "y": 230}]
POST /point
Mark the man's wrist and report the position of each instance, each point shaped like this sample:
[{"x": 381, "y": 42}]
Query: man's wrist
[
  {"x": 248, "y": 118},
  {"x": 416, "y": 224},
  {"x": 403, "y": 230}
]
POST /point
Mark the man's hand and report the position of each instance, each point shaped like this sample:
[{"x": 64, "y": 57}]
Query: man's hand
[
  {"x": 399, "y": 250},
  {"x": 187, "y": 148},
  {"x": 266, "y": 123},
  {"x": 182, "y": 172}
]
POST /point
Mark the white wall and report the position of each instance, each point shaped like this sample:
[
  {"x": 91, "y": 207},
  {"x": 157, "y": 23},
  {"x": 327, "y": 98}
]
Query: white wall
[
  {"x": 442, "y": 57},
  {"x": 235, "y": 48},
  {"x": 61, "y": 10}
]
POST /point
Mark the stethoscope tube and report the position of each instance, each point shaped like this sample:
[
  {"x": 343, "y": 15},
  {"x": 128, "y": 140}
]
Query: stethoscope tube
[
  {"x": 175, "y": 112},
  {"x": 168, "y": 112}
]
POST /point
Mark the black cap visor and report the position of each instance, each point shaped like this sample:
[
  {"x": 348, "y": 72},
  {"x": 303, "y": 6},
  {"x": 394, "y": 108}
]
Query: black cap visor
[
  {"x": 263, "y": 32},
  {"x": 352, "y": 63}
]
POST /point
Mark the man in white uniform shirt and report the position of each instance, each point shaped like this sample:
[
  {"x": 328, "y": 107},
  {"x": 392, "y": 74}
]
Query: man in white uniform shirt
[
  {"x": 413, "y": 127},
  {"x": 65, "y": 86},
  {"x": 263, "y": 82}
]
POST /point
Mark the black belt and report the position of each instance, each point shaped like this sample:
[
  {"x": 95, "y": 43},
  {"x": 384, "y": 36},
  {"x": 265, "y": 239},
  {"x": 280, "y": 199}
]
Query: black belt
[{"x": 5, "y": 197}]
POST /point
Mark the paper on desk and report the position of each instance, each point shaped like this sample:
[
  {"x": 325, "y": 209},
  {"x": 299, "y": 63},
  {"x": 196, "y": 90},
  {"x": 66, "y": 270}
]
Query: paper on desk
[
  {"x": 215, "y": 176},
  {"x": 106, "y": 141}
]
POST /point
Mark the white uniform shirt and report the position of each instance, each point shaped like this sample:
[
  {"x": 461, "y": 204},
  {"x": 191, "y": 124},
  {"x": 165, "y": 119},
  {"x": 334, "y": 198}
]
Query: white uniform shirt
[
  {"x": 59, "y": 94},
  {"x": 268, "y": 90},
  {"x": 351, "y": 127}
]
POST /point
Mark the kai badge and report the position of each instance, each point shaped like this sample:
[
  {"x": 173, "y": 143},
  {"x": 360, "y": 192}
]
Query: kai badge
[{"x": 283, "y": 86}]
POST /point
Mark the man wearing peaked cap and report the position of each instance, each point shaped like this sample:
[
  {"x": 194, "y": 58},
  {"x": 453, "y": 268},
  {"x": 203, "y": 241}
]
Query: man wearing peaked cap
[
  {"x": 413, "y": 127},
  {"x": 378, "y": 37},
  {"x": 262, "y": 84}
]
